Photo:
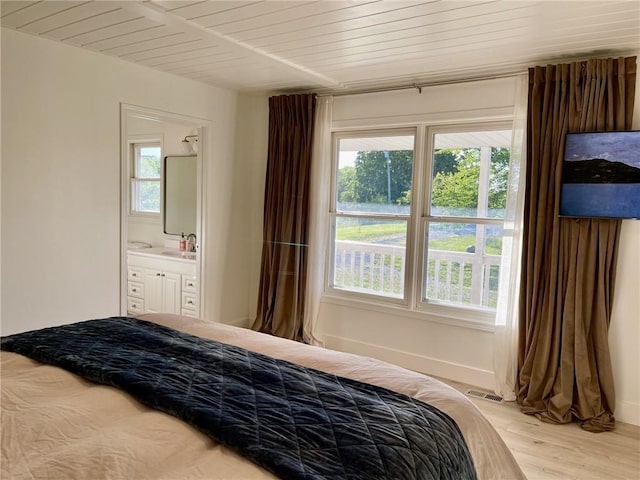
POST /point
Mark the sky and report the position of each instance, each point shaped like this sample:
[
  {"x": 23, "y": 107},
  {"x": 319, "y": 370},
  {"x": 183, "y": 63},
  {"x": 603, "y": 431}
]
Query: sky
[
  {"x": 347, "y": 159},
  {"x": 613, "y": 146}
]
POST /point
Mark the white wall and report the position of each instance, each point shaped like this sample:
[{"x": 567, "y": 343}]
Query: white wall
[
  {"x": 624, "y": 332},
  {"x": 252, "y": 128},
  {"x": 61, "y": 181}
]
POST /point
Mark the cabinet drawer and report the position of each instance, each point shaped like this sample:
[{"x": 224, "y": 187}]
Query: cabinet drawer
[
  {"x": 188, "y": 284},
  {"x": 189, "y": 313},
  {"x": 135, "y": 289},
  {"x": 135, "y": 306},
  {"x": 189, "y": 301},
  {"x": 135, "y": 274}
]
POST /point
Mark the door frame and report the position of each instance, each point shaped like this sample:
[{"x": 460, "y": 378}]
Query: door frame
[{"x": 204, "y": 129}]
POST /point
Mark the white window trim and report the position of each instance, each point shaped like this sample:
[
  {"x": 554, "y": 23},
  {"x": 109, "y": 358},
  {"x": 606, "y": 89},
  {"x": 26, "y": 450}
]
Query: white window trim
[
  {"x": 412, "y": 305},
  {"x": 470, "y": 313},
  {"x": 132, "y": 141},
  {"x": 405, "y": 301}
]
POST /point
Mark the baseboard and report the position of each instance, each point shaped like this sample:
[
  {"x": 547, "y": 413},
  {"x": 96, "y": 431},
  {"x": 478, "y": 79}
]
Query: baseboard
[
  {"x": 628, "y": 412},
  {"x": 419, "y": 363}
]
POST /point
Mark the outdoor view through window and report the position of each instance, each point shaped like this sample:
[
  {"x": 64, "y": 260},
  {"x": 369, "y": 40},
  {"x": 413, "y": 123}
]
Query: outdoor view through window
[
  {"x": 464, "y": 231},
  {"x": 373, "y": 197},
  {"x": 459, "y": 251},
  {"x": 145, "y": 183}
]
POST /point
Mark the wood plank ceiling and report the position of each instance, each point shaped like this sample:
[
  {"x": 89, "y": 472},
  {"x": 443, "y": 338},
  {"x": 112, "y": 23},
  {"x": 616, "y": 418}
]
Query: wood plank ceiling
[{"x": 334, "y": 45}]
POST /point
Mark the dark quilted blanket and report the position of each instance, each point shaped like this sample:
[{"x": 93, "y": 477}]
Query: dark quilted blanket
[{"x": 294, "y": 421}]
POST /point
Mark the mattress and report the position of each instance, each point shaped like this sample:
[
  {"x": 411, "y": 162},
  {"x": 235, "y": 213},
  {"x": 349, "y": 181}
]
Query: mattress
[{"x": 57, "y": 425}]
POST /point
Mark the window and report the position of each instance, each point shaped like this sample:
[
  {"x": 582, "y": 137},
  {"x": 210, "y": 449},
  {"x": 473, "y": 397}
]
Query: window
[
  {"x": 464, "y": 216},
  {"x": 443, "y": 251},
  {"x": 145, "y": 181},
  {"x": 371, "y": 212}
]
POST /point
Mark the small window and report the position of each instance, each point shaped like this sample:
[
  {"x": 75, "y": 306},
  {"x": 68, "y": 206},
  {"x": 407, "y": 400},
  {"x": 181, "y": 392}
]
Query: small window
[{"x": 145, "y": 181}]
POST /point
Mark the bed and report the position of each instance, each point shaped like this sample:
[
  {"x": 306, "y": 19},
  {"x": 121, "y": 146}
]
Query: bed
[{"x": 58, "y": 425}]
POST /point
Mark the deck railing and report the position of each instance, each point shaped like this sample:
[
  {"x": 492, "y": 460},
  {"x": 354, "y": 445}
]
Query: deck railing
[
  {"x": 370, "y": 266},
  {"x": 457, "y": 277}
]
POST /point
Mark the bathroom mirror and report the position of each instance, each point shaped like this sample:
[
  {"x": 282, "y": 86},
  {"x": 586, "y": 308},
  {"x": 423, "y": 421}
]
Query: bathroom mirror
[{"x": 180, "y": 188}]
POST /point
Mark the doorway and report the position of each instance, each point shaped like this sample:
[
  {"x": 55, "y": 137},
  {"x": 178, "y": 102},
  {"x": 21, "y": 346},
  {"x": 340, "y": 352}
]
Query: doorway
[{"x": 158, "y": 273}]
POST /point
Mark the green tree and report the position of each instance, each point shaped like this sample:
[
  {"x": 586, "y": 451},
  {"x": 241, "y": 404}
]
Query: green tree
[
  {"x": 445, "y": 160},
  {"x": 499, "y": 177},
  {"x": 149, "y": 166},
  {"x": 455, "y": 181},
  {"x": 371, "y": 183},
  {"x": 458, "y": 189},
  {"x": 405, "y": 199},
  {"x": 347, "y": 184}
]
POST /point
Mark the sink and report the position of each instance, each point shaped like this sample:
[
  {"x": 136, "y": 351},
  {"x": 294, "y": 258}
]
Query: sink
[{"x": 179, "y": 254}]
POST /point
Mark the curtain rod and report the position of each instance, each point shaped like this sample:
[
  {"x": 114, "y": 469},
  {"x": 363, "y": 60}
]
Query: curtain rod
[
  {"x": 435, "y": 83},
  {"x": 418, "y": 86}
]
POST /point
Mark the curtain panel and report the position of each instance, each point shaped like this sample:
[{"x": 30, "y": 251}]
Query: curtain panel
[
  {"x": 568, "y": 265},
  {"x": 283, "y": 272},
  {"x": 319, "y": 224},
  {"x": 506, "y": 328}
]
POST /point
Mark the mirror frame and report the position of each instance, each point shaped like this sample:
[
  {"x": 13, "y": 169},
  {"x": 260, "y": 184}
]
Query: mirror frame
[
  {"x": 204, "y": 128},
  {"x": 165, "y": 191}
]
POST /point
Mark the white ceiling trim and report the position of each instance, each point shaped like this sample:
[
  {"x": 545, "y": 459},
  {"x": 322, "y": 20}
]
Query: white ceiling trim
[{"x": 158, "y": 14}]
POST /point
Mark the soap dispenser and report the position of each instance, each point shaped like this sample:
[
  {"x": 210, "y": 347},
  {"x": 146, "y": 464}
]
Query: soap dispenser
[
  {"x": 183, "y": 242},
  {"x": 191, "y": 242}
]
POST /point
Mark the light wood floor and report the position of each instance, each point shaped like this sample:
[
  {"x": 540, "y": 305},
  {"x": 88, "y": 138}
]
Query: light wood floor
[{"x": 564, "y": 452}]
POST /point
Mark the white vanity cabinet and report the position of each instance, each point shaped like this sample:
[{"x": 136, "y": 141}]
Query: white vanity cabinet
[
  {"x": 189, "y": 296},
  {"x": 135, "y": 289},
  {"x": 158, "y": 283},
  {"x": 162, "y": 291}
]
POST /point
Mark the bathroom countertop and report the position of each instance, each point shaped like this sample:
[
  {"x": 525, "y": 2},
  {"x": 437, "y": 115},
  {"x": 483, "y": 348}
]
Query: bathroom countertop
[{"x": 164, "y": 253}]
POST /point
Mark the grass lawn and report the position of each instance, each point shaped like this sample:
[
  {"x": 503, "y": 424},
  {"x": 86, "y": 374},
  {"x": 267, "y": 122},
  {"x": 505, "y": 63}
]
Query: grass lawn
[
  {"x": 371, "y": 233},
  {"x": 376, "y": 233},
  {"x": 459, "y": 243}
]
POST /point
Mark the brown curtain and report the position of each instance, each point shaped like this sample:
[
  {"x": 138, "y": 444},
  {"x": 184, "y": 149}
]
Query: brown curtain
[
  {"x": 564, "y": 368},
  {"x": 286, "y": 212}
]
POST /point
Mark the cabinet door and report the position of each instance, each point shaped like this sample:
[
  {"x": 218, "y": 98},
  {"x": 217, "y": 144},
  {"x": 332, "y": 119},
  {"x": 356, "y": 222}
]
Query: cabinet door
[
  {"x": 172, "y": 292},
  {"x": 153, "y": 286}
]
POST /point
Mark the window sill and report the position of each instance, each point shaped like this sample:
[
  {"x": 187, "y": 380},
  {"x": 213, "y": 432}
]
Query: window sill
[
  {"x": 152, "y": 218},
  {"x": 444, "y": 314}
]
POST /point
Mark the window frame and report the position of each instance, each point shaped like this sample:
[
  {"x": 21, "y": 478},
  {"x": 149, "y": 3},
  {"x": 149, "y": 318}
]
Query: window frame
[
  {"x": 472, "y": 313},
  {"x": 416, "y": 249},
  {"x": 135, "y": 143},
  {"x": 334, "y": 214}
]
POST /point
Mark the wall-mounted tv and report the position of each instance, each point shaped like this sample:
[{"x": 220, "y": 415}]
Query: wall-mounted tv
[{"x": 601, "y": 175}]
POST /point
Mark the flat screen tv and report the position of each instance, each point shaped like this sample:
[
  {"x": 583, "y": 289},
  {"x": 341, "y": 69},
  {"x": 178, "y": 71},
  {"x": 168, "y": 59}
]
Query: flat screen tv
[{"x": 601, "y": 175}]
